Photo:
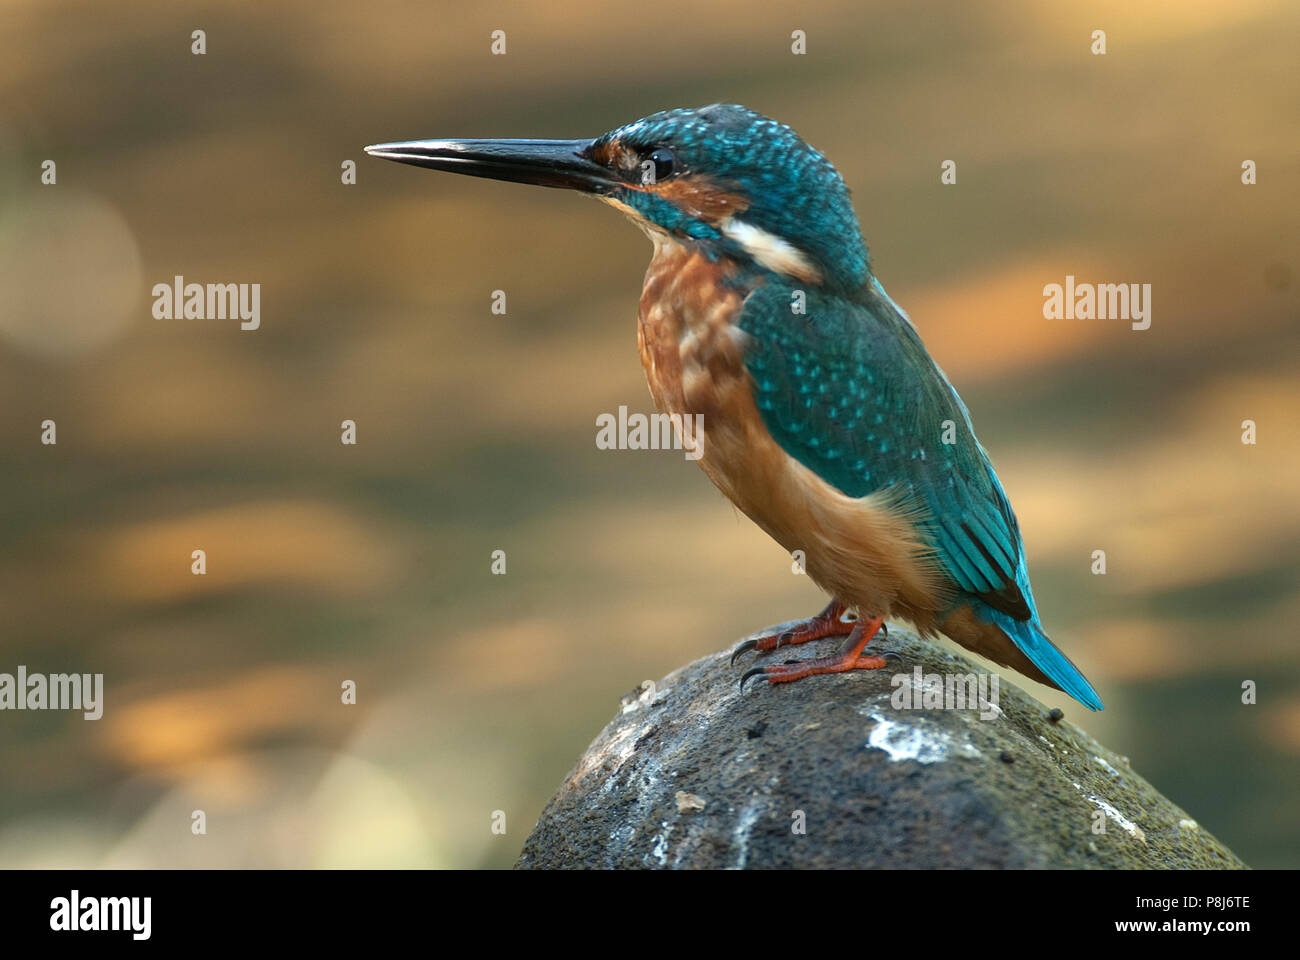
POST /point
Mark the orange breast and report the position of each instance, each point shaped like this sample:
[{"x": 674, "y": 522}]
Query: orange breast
[
  {"x": 686, "y": 332},
  {"x": 864, "y": 551}
]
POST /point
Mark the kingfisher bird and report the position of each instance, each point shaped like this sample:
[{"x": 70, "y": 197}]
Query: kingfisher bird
[{"x": 825, "y": 420}]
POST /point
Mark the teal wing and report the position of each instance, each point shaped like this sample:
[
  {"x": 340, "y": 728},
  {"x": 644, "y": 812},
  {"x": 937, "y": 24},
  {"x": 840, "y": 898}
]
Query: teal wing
[{"x": 848, "y": 390}]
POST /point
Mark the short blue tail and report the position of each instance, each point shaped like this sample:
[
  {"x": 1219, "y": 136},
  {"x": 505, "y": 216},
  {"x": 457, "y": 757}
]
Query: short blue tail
[
  {"x": 1033, "y": 643},
  {"x": 1029, "y": 637}
]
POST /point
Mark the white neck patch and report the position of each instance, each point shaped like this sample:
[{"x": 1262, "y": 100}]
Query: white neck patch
[
  {"x": 770, "y": 250},
  {"x": 767, "y": 249}
]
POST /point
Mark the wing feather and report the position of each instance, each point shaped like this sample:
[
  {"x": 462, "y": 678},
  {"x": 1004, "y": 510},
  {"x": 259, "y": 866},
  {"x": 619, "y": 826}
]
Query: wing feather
[{"x": 848, "y": 389}]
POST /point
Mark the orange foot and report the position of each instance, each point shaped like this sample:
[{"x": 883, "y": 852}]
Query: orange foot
[
  {"x": 850, "y": 658},
  {"x": 835, "y": 621}
]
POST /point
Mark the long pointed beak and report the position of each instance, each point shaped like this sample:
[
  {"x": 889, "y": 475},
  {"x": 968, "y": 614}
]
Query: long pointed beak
[{"x": 547, "y": 163}]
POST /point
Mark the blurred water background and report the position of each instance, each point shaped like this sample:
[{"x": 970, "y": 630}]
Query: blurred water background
[{"x": 476, "y": 431}]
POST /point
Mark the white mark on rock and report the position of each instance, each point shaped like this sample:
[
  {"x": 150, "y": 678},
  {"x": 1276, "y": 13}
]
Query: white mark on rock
[
  {"x": 646, "y": 695},
  {"x": 612, "y": 756},
  {"x": 1129, "y": 827},
  {"x": 1109, "y": 769},
  {"x": 659, "y": 850},
  {"x": 748, "y": 817},
  {"x": 908, "y": 742}
]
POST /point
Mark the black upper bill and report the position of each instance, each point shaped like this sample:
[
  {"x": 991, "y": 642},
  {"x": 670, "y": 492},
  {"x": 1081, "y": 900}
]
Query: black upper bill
[{"x": 547, "y": 163}]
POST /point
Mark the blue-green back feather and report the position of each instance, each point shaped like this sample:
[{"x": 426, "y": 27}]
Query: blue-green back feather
[{"x": 849, "y": 391}]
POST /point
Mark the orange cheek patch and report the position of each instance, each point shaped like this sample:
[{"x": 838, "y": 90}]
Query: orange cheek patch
[
  {"x": 697, "y": 196},
  {"x": 700, "y": 198}
]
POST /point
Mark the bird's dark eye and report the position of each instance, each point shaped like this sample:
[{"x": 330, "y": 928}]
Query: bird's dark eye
[{"x": 659, "y": 164}]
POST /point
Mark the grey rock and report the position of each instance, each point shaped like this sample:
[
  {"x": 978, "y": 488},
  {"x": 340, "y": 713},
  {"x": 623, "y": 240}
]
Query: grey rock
[{"x": 690, "y": 773}]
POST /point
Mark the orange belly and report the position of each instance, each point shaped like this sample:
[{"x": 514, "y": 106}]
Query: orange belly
[{"x": 864, "y": 551}]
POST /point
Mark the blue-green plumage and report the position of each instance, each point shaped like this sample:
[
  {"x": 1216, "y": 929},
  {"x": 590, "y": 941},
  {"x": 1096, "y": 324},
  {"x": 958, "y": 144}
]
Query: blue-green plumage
[
  {"x": 849, "y": 390},
  {"x": 831, "y": 369},
  {"x": 789, "y": 188},
  {"x": 846, "y": 386}
]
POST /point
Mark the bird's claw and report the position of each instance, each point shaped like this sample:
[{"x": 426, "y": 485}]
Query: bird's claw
[
  {"x": 745, "y": 646},
  {"x": 759, "y": 671}
]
